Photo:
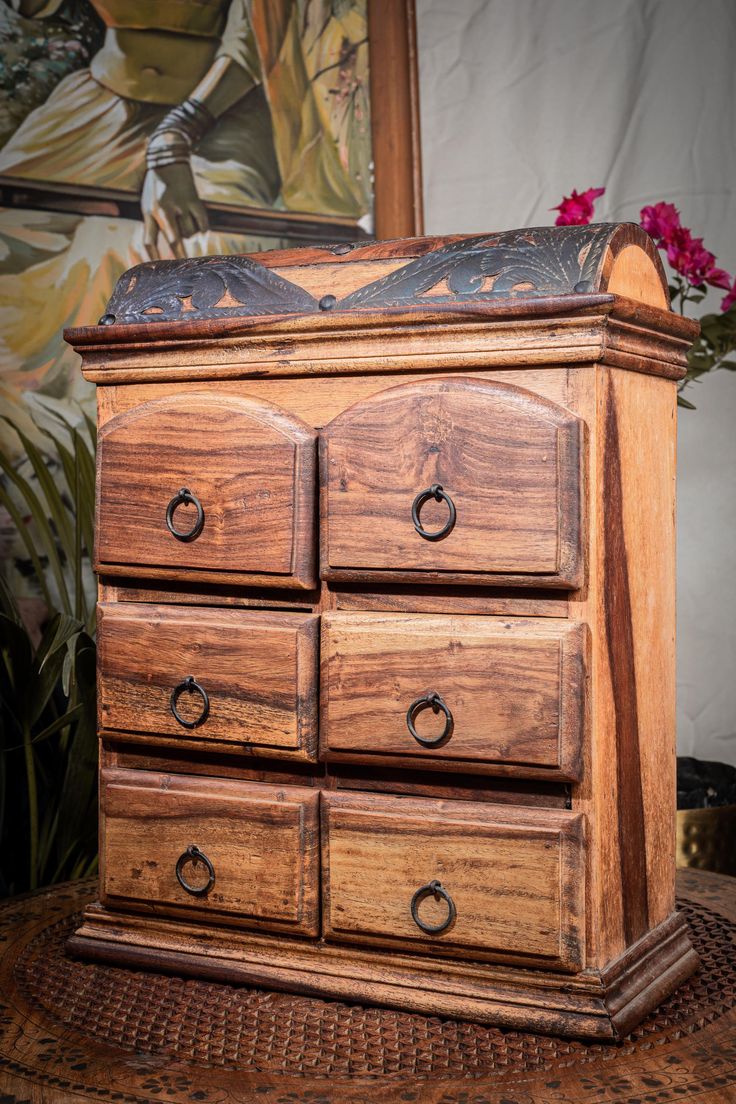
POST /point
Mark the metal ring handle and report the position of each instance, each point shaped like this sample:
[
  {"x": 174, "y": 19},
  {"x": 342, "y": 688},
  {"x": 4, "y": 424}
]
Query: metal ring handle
[
  {"x": 436, "y": 890},
  {"x": 193, "y": 854},
  {"x": 191, "y": 685},
  {"x": 435, "y": 702},
  {"x": 439, "y": 495},
  {"x": 183, "y": 498}
]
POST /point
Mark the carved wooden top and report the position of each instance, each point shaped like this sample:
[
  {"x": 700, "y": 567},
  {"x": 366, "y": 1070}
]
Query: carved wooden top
[
  {"x": 545, "y": 296},
  {"x": 416, "y": 273}
]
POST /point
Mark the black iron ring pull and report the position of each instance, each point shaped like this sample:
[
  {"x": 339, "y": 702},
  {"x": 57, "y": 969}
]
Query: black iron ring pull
[
  {"x": 436, "y": 890},
  {"x": 434, "y": 702},
  {"x": 439, "y": 495},
  {"x": 193, "y": 854},
  {"x": 183, "y": 498},
  {"x": 191, "y": 686}
]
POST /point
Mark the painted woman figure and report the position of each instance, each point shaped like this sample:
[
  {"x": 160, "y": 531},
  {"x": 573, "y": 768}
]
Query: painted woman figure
[{"x": 249, "y": 102}]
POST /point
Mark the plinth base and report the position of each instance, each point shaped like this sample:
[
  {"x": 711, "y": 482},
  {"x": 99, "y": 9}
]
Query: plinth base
[{"x": 592, "y": 1004}]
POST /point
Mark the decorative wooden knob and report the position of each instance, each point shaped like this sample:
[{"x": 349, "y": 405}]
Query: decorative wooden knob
[
  {"x": 433, "y": 889},
  {"x": 434, "y": 702},
  {"x": 191, "y": 686},
  {"x": 185, "y": 497}
]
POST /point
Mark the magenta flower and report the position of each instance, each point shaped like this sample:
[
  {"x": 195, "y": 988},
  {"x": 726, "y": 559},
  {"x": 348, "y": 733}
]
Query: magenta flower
[
  {"x": 660, "y": 220},
  {"x": 577, "y": 209},
  {"x": 729, "y": 300},
  {"x": 688, "y": 256}
]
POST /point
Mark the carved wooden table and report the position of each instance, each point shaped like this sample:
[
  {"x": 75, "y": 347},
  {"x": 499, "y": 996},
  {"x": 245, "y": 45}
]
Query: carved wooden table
[{"x": 71, "y": 1031}]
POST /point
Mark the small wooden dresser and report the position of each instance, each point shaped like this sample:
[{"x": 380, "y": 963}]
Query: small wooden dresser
[{"x": 386, "y": 541}]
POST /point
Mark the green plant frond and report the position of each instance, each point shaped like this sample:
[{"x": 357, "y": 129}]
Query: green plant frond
[
  {"x": 7, "y": 602},
  {"x": 61, "y": 722},
  {"x": 40, "y": 518},
  {"x": 58, "y": 512},
  {"x": 22, "y": 530}
]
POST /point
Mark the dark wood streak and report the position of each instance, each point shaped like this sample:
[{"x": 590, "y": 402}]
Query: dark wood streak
[{"x": 620, "y": 641}]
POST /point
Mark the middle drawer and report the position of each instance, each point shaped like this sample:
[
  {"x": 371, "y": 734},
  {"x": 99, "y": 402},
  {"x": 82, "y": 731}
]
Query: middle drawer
[
  {"x": 239, "y": 679},
  {"x": 493, "y": 694}
]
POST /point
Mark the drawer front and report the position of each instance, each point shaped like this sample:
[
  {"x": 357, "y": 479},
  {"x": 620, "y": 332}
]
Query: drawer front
[
  {"x": 245, "y": 850},
  {"x": 464, "y": 480},
  {"x": 511, "y": 692},
  {"x": 249, "y": 470},
  {"x": 254, "y": 676},
  {"x": 506, "y": 884}
]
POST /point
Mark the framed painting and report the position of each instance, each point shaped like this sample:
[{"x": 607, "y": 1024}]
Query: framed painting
[{"x": 133, "y": 129}]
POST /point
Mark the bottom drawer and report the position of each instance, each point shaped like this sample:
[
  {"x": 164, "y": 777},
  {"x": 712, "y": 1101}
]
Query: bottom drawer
[
  {"x": 248, "y": 851},
  {"x": 505, "y": 883}
]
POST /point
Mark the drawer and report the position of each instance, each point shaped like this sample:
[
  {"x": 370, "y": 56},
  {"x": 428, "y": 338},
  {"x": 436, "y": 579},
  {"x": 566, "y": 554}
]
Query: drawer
[
  {"x": 208, "y": 488},
  {"x": 247, "y": 851},
  {"x": 511, "y": 692},
  {"x": 254, "y": 676},
  {"x": 502, "y": 883},
  {"x": 465, "y": 481}
]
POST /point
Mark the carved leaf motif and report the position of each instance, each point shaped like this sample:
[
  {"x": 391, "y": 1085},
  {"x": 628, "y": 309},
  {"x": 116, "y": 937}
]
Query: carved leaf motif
[
  {"x": 158, "y": 291},
  {"x": 533, "y": 262},
  {"x": 541, "y": 261}
]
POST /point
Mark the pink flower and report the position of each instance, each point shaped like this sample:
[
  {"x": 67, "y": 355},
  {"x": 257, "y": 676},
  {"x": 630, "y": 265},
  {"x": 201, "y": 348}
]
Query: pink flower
[
  {"x": 688, "y": 256},
  {"x": 577, "y": 209},
  {"x": 660, "y": 220},
  {"x": 729, "y": 300}
]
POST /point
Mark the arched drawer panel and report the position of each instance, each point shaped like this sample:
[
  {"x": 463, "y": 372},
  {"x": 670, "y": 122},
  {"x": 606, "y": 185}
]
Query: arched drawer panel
[
  {"x": 250, "y": 466},
  {"x": 509, "y": 462}
]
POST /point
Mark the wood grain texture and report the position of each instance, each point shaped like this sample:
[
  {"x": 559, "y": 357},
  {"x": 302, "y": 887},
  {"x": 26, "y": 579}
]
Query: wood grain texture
[
  {"x": 516, "y": 690},
  {"x": 528, "y": 334},
  {"x": 259, "y": 671},
  {"x": 516, "y": 877},
  {"x": 627, "y": 789},
  {"x": 260, "y": 839},
  {"x": 511, "y": 462},
  {"x": 317, "y": 400},
  {"x": 395, "y": 132},
  {"x": 250, "y": 465},
  {"x": 447, "y": 599}
]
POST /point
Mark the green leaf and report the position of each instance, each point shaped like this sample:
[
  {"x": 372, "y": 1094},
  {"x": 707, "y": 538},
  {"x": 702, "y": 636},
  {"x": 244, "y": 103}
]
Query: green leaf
[
  {"x": 77, "y": 802},
  {"x": 40, "y": 518},
  {"x": 684, "y": 402},
  {"x": 61, "y": 722},
  {"x": 25, "y": 536}
]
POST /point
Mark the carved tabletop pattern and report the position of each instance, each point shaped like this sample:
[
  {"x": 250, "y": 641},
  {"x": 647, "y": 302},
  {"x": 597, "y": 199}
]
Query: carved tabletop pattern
[{"x": 72, "y": 1031}]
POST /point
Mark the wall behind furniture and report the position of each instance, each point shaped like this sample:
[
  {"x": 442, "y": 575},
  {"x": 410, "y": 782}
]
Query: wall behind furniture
[{"x": 523, "y": 101}]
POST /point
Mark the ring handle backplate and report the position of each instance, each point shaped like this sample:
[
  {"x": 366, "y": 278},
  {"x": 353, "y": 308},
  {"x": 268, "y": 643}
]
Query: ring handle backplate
[
  {"x": 433, "y": 889},
  {"x": 191, "y": 686},
  {"x": 193, "y": 854},
  {"x": 439, "y": 495},
  {"x": 182, "y": 498},
  {"x": 434, "y": 702}
]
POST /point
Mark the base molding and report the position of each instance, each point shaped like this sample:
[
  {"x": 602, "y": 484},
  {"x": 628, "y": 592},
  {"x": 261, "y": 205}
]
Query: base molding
[{"x": 592, "y": 1004}]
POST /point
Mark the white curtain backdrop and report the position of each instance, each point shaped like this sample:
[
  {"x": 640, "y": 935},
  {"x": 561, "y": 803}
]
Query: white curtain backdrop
[{"x": 523, "y": 100}]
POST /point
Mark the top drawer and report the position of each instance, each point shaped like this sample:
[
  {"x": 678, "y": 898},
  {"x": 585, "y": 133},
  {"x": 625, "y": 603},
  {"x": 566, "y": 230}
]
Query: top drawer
[
  {"x": 466, "y": 481},
  {"x": 218, "y": 489}
]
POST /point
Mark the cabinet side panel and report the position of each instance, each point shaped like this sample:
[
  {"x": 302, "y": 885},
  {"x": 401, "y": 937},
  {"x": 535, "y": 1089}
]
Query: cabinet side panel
[
  {"x": 628, "y": 785},
  {"x": 639, "y": 427}
]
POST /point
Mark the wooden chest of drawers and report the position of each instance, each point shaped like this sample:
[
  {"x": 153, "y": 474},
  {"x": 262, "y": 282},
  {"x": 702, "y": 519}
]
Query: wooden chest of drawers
[{"x": 386, "y": 544}]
